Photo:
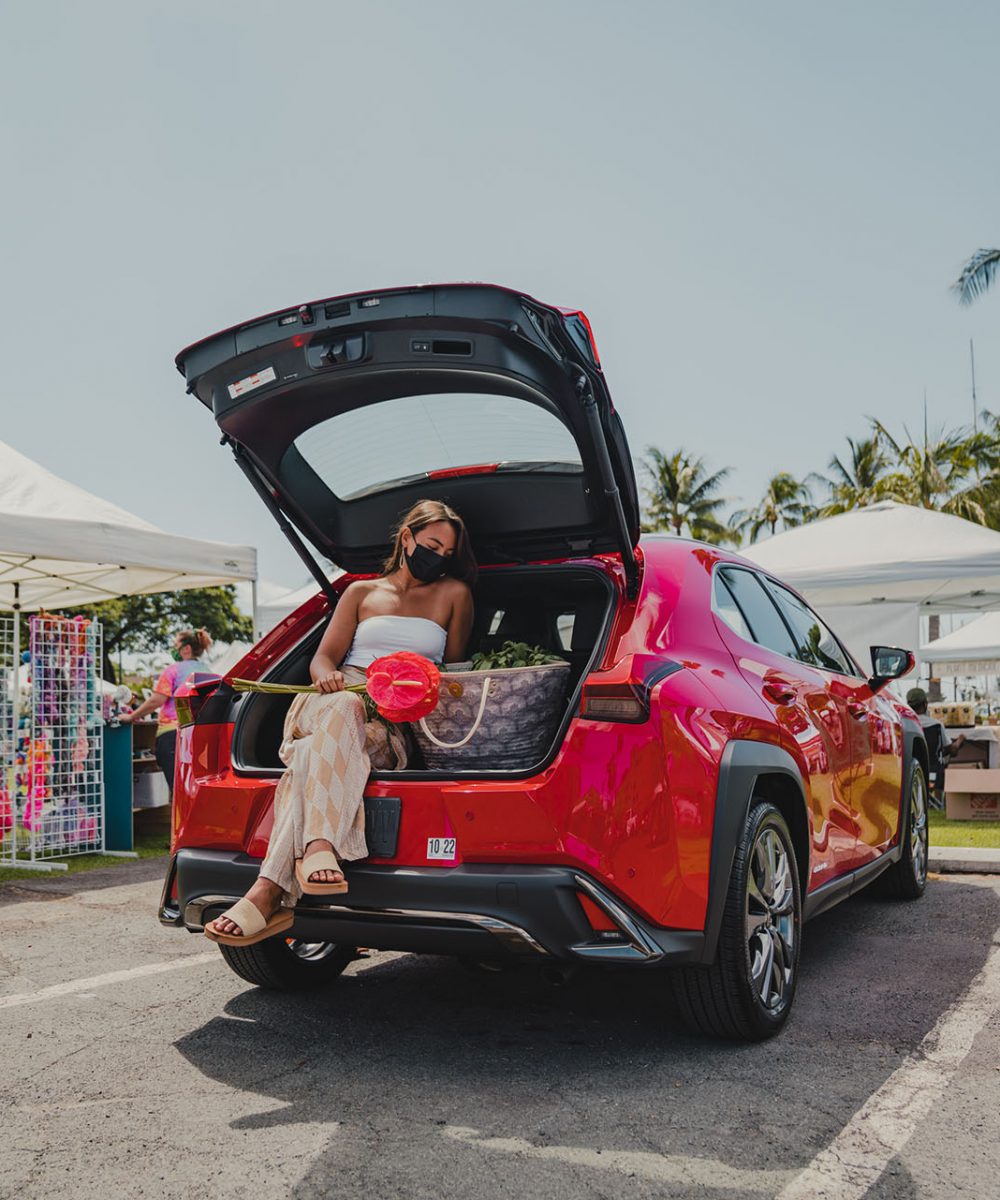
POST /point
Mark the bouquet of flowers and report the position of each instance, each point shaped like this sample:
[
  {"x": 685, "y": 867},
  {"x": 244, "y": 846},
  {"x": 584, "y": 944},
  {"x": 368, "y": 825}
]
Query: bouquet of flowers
[{"x": 400, "y": 687}]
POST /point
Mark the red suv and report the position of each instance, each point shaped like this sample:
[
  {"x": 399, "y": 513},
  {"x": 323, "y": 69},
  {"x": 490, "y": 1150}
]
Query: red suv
[{"x": 723, "y": 768}]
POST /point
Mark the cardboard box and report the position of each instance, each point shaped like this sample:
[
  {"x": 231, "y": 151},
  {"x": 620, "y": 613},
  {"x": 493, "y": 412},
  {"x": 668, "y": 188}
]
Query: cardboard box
[
  {"x": 972, "y": 806},
  {"x": 973, "y": 752},
  {"x": 971, "y": 794}
]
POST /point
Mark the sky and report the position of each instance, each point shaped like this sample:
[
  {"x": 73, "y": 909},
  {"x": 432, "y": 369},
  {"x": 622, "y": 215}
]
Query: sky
[{"x": 760, "y": 207}]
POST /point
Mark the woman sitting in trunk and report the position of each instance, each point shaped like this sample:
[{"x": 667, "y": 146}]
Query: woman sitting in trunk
[{"x": 422, "y": 602}]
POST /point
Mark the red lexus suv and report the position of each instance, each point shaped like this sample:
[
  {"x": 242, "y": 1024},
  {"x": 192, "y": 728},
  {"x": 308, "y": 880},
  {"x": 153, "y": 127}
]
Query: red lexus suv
[{"x": 723, "y": 769}]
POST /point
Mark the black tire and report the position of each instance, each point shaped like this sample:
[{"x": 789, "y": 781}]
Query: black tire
[
  {"x": 907, "y": 878},
  {"x": 288, "y": 964},
  {"x": 727, "y": 999}
]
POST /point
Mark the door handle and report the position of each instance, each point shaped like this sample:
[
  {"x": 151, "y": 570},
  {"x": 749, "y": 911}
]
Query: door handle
[
  {"x": 857, "y": 709},
  {"x": 780, "y": 693}
]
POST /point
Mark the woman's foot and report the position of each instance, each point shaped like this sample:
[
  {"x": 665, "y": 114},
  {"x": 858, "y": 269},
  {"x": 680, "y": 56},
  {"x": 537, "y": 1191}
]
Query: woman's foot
[
  {"x": 314, "y": 847},
  {"x": 264, "y": 895}
]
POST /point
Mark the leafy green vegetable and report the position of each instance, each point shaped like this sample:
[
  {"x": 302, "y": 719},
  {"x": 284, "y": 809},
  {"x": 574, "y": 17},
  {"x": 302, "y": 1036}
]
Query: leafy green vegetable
[{"x": 513, "y": 654}]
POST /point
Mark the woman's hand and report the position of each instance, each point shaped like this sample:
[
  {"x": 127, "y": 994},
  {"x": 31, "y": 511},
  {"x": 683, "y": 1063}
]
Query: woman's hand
[{"x": 331, "y": 682}]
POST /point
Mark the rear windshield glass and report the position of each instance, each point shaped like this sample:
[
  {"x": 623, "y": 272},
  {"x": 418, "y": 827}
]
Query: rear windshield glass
[{"x": 368, "y": 449}]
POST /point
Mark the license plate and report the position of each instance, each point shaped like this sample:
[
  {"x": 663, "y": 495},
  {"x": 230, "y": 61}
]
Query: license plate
[{"x": 441, "y": 848}]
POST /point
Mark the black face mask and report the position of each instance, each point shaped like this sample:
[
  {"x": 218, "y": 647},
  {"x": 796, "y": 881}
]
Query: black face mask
[{"x": 425, "y": 564}]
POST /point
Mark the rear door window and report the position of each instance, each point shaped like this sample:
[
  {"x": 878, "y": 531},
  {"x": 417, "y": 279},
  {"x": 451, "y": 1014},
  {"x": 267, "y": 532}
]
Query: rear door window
[
  {"x": 758, "y": 610},
  {"x": 367, "y": 449},
  {"x": 815, "y": 644}
]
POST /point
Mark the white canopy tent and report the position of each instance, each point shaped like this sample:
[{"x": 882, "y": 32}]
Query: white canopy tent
[
  {"x": 889, "y": 553},
  {"x": 972, "y": 650},
  {"x": 874, "y": 571},
  {"x": 61, "y": 545}
]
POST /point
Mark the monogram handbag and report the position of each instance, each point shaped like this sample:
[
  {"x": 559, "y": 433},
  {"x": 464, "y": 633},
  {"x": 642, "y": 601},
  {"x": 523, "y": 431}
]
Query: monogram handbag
[{"x": 501, "y": 719}]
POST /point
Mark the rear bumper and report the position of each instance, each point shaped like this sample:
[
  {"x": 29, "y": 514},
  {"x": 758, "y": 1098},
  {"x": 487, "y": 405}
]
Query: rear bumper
[{"x": 527, "y": 912}]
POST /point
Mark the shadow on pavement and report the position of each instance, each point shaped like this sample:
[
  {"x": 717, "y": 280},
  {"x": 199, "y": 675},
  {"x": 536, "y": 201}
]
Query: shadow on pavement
[
  {"x": 404, "y": 1048},
  {"x": 56, "y": 886}
]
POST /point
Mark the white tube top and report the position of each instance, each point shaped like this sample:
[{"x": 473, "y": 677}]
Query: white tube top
[{"x": 376, "y": 636}]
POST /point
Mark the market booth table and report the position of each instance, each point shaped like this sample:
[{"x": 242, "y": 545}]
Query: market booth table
[
  {"x": 61, "y": 546},
  {"x": 972, "y": 777}
]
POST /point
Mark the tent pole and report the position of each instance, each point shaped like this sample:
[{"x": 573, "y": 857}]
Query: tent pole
[
  {"x": 17, "y": 657},
  {"x": 16, "y": 702},
  {"x": 31, "y": 864}
]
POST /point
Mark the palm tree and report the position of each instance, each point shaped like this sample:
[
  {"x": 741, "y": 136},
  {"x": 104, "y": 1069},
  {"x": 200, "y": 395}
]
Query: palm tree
[
  {"x": 682, "y": 496},
  {"x": 786, "y": 500},
  {"x": 977, "y": 275},
  {"x": 942, "y": 473},
  {"x": 858, "y": 482}
]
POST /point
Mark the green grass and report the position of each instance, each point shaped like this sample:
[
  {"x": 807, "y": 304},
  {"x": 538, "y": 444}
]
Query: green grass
[
  {"x": 963, "y": 833},
  {"x": 152, "y": 838}
]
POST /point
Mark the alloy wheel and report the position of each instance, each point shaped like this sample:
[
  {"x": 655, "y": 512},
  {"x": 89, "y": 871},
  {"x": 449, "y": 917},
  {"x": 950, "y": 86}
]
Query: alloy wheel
[
  {"x": 311, "y": 951},
  {"x": 918, "y": 827},
  {"x": 771, "y": 919}
]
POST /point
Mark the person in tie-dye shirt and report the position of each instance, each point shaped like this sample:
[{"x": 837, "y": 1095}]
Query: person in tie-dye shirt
[{"x": 189, "y": 646}]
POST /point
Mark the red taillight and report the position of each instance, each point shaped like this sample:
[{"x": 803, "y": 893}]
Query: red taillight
[
  {"x": 451, "y": 472},
  {"x": 613, "y": 702},
  {"x": 622, "y": 692},
  {"x": 191, "y": 700}
]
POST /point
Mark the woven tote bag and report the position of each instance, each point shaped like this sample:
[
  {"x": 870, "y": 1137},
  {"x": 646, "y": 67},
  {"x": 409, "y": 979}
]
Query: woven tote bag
[{"x": 500, "y": 720}]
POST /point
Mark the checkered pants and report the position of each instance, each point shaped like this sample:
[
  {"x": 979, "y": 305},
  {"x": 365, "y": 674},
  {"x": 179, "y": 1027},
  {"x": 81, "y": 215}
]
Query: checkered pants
[{"x": 328, "y": 749}]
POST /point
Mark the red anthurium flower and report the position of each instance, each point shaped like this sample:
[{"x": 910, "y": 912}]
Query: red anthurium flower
[{"x": 404, "y": 686}]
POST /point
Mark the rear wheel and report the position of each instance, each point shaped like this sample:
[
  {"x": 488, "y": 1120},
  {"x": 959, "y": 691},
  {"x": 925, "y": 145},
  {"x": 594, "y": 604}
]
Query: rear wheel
[
  {"x": 907, "y": 879},
  {"x": 747, "y": 993},
  {"x": 288, "y": 964}
]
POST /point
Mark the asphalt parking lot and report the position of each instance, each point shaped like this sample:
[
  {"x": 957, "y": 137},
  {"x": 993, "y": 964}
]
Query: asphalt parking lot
[{"x": 136, "y": 1064}]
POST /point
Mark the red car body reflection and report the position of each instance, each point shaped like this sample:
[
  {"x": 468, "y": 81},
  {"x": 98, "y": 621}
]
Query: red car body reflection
[{"x": 630, "y": 803}]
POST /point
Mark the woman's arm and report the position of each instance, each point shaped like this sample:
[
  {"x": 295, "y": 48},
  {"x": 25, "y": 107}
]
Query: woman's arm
[
  {"x": 459, "y": 625},
  {"x": 155, "y": 701},
  {"x": 336, "y": 641}
]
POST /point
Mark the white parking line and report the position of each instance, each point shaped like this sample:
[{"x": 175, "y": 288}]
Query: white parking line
[
  {"x": 880, "y": 1129},
  {"x": 97, "y": 981},
  {"x": 679, "y": 1169}
]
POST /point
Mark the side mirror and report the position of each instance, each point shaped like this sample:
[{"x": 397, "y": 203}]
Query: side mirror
[{"x": 888, "y": 663}]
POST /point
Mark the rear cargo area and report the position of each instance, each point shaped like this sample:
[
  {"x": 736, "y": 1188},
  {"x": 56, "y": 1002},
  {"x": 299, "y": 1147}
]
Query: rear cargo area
[{"x": 566, "y": 609}]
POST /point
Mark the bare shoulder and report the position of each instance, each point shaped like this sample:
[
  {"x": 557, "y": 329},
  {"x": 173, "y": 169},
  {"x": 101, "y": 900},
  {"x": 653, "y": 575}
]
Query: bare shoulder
[
  {"x": 357, "y": 589},
  {"x": 354, "y": 595},
  {"x": 459, "y": 600},
  {"x": 457, "y": 590}
]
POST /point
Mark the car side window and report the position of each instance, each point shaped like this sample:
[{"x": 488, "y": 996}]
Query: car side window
[
  {"x": 759, "y": 611},
  {"x": 815, "y": 644},
  {"x": 724, "y": 603}
]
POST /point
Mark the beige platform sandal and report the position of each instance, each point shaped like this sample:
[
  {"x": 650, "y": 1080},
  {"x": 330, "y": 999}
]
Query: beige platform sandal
[
  {"x": 322, "y": 860},
  {"x": 251, "y": 920}
]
